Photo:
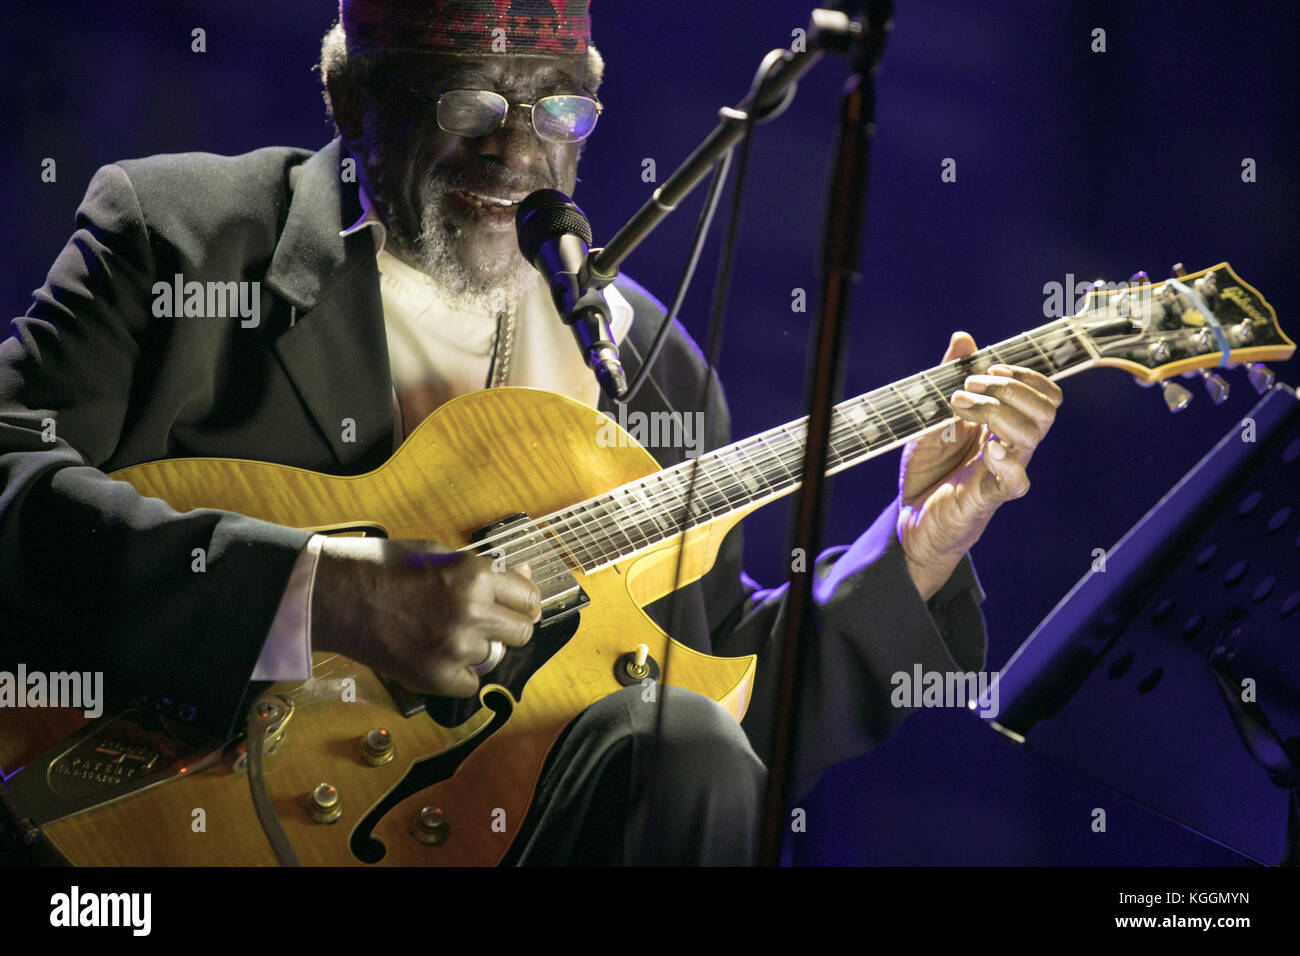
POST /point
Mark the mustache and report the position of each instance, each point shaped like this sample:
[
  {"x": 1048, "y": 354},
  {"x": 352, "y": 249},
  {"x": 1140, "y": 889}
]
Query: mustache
[{"x": 486, "y": 177}]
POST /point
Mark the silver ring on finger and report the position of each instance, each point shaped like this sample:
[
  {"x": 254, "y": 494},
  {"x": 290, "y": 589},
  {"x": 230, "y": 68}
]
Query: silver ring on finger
[{"x": 496, "y": 651}]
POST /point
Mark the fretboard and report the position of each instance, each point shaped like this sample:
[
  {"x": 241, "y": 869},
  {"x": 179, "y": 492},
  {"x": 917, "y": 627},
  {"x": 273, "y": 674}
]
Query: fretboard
[{"x": 641, "y": 514}]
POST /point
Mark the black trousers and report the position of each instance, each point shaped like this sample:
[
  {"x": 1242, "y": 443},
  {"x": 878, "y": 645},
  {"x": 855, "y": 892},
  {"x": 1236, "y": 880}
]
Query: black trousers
[{"x": 614, "y": 792}]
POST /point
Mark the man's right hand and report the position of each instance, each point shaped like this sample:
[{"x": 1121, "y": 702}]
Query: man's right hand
[{"x": 418, "y": 612}]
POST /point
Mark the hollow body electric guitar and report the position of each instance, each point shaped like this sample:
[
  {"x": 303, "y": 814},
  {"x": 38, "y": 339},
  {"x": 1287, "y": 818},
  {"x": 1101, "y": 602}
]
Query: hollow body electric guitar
[{"x": 360, "y": 771}]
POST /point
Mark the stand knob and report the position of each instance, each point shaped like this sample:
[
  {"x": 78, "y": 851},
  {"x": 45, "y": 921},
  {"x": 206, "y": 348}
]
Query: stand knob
[{"x": 1176, "y": 397}]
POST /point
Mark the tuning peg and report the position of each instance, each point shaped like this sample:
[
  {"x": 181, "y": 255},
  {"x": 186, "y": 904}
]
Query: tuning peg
[
  {"x": 1140, "y": 277},
  {"x": 1177, "y": 270},
  {"x": 1261, "y": 376},
  {"x": 1215, "y": 386},
  {"x": 1176, "y": 397}
]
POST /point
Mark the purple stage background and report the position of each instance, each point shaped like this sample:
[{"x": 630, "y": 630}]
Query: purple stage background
[{"x": 1068, "y": 161}]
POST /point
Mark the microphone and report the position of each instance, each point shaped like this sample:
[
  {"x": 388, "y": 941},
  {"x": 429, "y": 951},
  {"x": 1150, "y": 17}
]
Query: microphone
[{"x": 554, "y": 236}]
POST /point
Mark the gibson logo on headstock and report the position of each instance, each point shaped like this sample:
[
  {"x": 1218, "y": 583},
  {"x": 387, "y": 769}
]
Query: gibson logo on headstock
[{"x": 1242, "y": 301}]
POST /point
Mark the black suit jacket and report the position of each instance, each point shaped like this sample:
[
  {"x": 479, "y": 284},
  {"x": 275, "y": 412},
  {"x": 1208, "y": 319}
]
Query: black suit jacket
[{"x": 95, "y": 577}]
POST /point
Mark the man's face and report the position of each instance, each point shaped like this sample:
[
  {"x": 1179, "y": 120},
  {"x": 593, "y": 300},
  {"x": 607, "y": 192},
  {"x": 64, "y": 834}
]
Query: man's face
[{"x": 442, "y": 195}]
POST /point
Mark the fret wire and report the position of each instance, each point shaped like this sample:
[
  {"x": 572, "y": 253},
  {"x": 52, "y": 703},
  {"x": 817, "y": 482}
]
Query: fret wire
[
  {"x": 777, "y": 454},
  {"x": 601, "y": 527},
  {"x": 881, "y": 424},
  {"x": 852, "y": 415},
  {"x": 904, "y": 404},
  {"x": 615, "y": 519},
  {"x": 1079, "y": 338},
  {"x": 943, "y": 405},
  {"x": 760, "y": 477},
  {"x": 592, "y": 547},
  {"x": 632, "y": 507},
  {"x": 734, "y": 473},
  {"x": 706, "y": 470},
  {"x": 997, "y": 359},
  {"x": 840, "y": 433},
  {"x": 697, "y": 495},
  {"x": 1029, "y": 338},
  {"x": 679, "y": 501},
  {"x": 652, "y": 511},
  {"x": 797, "y": 442},
  {"x": 842, "y": 429}
]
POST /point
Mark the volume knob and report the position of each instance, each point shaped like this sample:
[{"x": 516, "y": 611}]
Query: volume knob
[
  {"x": 377, "y": 747},
  {"x": 431, "y": 826},
  {"x": 325, "y": 805}
]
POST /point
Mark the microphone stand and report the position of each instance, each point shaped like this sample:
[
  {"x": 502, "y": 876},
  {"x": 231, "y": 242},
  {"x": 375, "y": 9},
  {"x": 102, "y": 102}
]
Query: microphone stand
[
  {"x": 772, "y": 90},
  {"x": 770, "y": 94},
  {"x": 846, "y": 209}
]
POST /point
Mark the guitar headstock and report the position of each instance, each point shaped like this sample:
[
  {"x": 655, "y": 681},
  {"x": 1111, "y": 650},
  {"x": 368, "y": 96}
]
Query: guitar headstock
[{"x": 1185, "y": 325}]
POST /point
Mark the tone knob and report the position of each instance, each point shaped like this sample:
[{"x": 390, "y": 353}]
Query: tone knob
[
  {"x": 325, "y": 805},
  {"x": 431, "y": 826},
  {"x": 377, "y": 747}
]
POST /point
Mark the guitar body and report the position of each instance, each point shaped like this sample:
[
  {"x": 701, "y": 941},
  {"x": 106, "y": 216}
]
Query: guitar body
[{"x": 478, "y": 459}]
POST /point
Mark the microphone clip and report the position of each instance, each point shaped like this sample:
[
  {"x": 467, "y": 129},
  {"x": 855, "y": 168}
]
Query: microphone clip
[{"x": 589, "y": 318}]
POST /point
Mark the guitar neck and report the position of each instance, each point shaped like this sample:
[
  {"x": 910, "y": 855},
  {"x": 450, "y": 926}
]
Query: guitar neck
[{"x": 745, "y": 474}]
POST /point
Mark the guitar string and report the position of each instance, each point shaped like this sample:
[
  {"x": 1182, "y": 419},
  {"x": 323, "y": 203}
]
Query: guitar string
[
  {"x": 573, "y": 530},
  {"x": 775, "y": 447},
  {"x": 571, "y": 527}
]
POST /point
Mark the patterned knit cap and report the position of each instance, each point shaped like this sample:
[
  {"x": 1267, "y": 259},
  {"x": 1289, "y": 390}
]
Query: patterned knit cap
[{"x": 466, "y": 26}]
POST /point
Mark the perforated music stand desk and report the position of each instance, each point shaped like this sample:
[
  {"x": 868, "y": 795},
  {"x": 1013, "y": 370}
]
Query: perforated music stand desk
[{"x": 1127, "y": 680}]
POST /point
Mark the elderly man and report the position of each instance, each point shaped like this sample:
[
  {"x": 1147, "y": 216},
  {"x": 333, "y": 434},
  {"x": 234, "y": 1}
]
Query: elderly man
[{"x": 389, "y": 282}]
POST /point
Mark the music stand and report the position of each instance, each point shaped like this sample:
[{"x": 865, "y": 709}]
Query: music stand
[{"x": 1135, "y": 680}]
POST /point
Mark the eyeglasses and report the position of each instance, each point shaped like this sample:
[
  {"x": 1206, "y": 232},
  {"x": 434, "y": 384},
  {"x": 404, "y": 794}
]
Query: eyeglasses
[{"x": 563, "y": 118}]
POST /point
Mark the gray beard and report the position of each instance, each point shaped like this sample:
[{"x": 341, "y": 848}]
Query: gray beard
[
  {"x": 433, "y": 251},
  {"x": 436, "y": 257}
]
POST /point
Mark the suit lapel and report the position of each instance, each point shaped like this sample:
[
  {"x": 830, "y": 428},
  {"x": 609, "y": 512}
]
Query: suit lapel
[{"x": 336, "y": 351}]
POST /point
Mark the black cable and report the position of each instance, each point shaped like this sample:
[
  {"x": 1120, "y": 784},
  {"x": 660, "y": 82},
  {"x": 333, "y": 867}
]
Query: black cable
[
  {"x": 717, "y": 311},
  {"x": 721, "y": 169}
]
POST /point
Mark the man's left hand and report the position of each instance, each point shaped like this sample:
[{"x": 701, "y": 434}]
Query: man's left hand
[{"x": 954, "y": 479}]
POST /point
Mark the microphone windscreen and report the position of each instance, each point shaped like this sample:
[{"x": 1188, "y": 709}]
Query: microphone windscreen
[{"x": 547, "y": 214}]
